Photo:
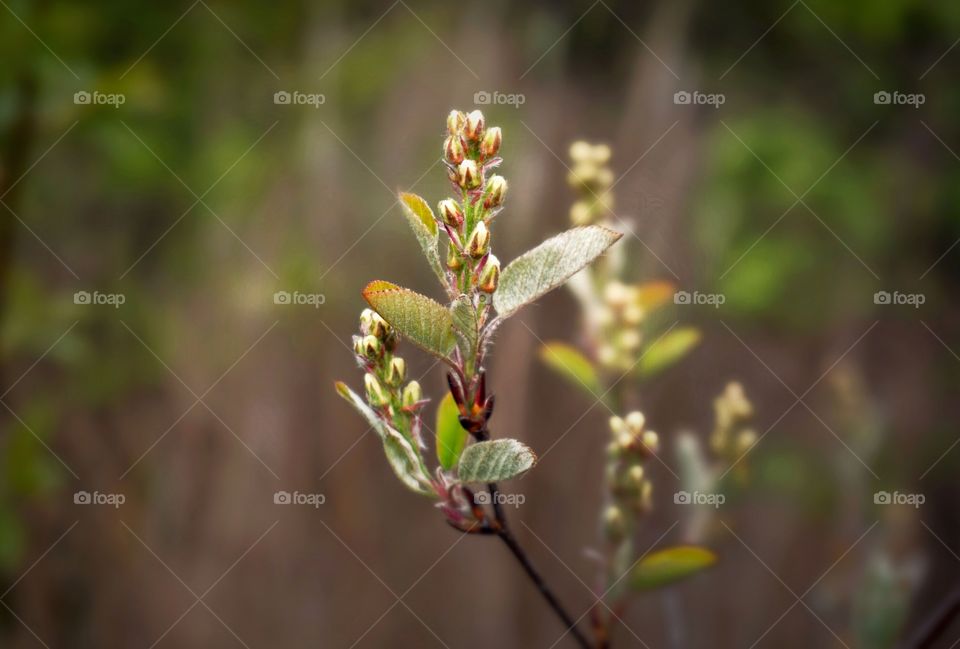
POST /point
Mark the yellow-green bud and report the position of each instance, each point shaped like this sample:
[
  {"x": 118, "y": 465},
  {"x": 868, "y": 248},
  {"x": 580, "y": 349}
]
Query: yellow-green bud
[
  {"x": 491, "y": 142},
  {"x": 453, "y": 149},
  {"x": 396, "y": 371},
  {"x": 635, "y": 421},
  {"x": 468, "y": 175},
  {"x": 473, "y": 129},
  {"x": 496, "y": 188},
  {"x": 617, "y": 425},
  {"x": 375, "y": 394},
  {"x": 479, "y": 242},
  {"x": 454, "y": 260},
  {"x": 451, "y": 213},
  {"x": 358, "y": 345},
  {"x": 651, "y": 440},
  {"x": 412, "y": 394},
  {"x": 372, "y": 323},
  {"x": 614, "y": 524},
  {"x": 366, "y": 320},
  {"x": 580, "y": 150},
  {"x": 490, "y": 275},
  {"x": 635, "y": 475},
  {"x": 745, "y": 440},
  {"x": 371, "y": 347},
  {"x": 455, "y": 122}
]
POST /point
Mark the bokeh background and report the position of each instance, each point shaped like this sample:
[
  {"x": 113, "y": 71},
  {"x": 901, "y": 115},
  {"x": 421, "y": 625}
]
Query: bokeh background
[{"x": 197, "y": 398}]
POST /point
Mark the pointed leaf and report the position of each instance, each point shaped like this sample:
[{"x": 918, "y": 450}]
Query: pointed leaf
[
  {"x": 406, "y": 462},
  {"x": 664, "y": 567},
  {"x": 424, "y": 226},
  {"x": 423, "y": 321},
  {"x": 465, "y": 325},
  {"x": 403, "y": 458},
  {"x": 667, "y": 350},
  {"x": 549, "y": 265},
  {"x": 500, "y": 459},
  {"x": 451, "y": 436},
  {"x": 569, "y": 363}
]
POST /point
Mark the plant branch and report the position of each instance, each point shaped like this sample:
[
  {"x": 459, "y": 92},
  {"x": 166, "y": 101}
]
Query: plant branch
[{"x": 502, "y": 530}]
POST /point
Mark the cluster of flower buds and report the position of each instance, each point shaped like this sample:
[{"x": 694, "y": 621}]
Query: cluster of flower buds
[
  {"x": 732, "y": 437},
  {"x": 631, "y": 492},
  {"x": 619, "y": 318},
  {"x": 593, "y": 180},
  {"x": 387, "y": 391},
  {"x": 470, "y": 151}
]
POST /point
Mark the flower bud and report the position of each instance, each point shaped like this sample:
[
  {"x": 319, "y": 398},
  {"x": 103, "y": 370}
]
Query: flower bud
[
  {"x": 491, "y": 142},
  {"x": 490, "y": 275},
  {"x": 635, "y": 421},
  {"x": 375, "y": 393},
  {"x": 468, "y": 175},
  {"x": 496, "y": 188},
  {"x": 366, "y": 320},
  {"x": 396, "y": 371},
  {"x": 453, "y": 149},
  {"x": 412, "y": 394},
  {"x": 371, "y": 347},
  {"x": 635, "y": 475},
  {"x": 454, "y": 260},
  {"x": 455, "y": 122},
  {"x": 451, "y": 213},
  {"x": 372, "y": 323},
  {"x": 651, "y": 440},
  {"x": 614, "y": 524},
  {"x": 479, "y": 242},
  {"x": 358, "y": 345},
  {"x": 473, "y": 128},
  {"x": 617, "y": 425},
  {"x": 745, "y": 440}
]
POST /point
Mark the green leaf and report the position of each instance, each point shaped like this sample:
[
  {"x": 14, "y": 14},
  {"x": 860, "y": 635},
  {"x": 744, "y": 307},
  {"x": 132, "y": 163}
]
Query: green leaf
[
  {"x": 500, "y": 459},
  {"x": 549, "y": 265},
  {"x": 451, "y": 436},
  {"x": 423, "y": 321},
  {"x": 664, "y": 567},
  {"x": 403, "y": 458},
  {"x": 667, "y": 350},
  {"x": 569, "y": 363},
  {"x": 424, "y": 226},
  {"x": 465, "y": 325}
]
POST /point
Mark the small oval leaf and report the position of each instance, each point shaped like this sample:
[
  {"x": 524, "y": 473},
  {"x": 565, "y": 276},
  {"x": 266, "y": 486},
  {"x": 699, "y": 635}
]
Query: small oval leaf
[
  {"x": 500, "y": 459},
  {"x": 667, "y": 350},
  {"x": 451, "y": 436},
  {"x": 423, "y": 321},
  {"x": 424, "y": 225},
  {"x": 401, "y": 455},
  {"x": 663, "y": 567},
  {"x": 569, "y": 363},
  {"x": 542, "y": 269}
]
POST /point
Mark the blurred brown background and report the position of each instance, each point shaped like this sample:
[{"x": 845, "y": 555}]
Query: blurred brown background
[{"x": 179, "y": 187}]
